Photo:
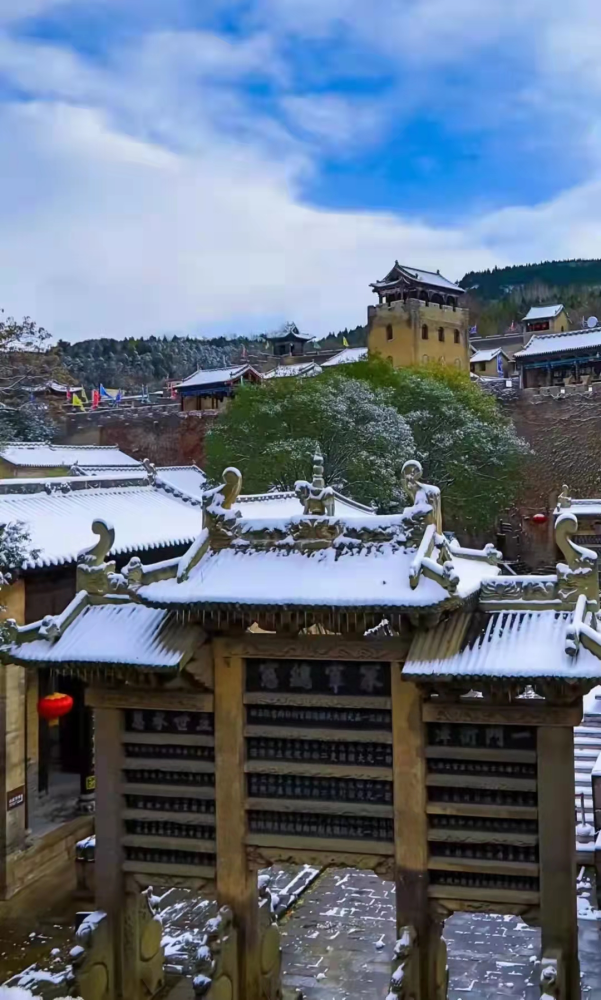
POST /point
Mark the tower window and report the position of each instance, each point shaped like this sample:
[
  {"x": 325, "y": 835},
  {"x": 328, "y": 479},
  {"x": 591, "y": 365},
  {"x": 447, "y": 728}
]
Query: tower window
[
  {"x": 457, "y": 363},
  {"x": 425, "y": 359},
  {"x": 425, "y": 331},
  {"x": 389, "y": 332},
  {"x": 441, "y": 334},
  {"x": 457, "y": 336}
]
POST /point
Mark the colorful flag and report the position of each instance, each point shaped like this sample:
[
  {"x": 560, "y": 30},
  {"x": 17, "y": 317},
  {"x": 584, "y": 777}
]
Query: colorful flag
[
  {"x": 344, "y": 342},
  {"x": 473, "y": 329},
  {"x": 84, "y": 395},
  {"x": 76, "y": 401},
  {"x": 95, "y": 399}
]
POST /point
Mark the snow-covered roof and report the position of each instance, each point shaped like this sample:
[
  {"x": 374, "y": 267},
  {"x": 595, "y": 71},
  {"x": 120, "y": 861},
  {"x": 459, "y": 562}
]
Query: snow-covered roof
[
  {"x": 283, "y": 504},
  {"x": 188, "y": 479},
  {"x": 315, "y": 558},
  {"x": 374, "y": 576},
  {"x": 309, "y": 368},
  {"x": 60, "y": 521},
  {"x": 50, "y": 456},
  {"x": 102, "y": 471},
  {"x": 561, "y": 343},
  {"x": 351, "y": 574},
  {"x": 504, "y": 644},
  {"x": 590, "y": 508},
  {"x": 216, "y": 376},
  {"x": 290, "y": 332},
  {"x": 60, "y": 388},
  {"x": 123, "y": 634},
  {"x": 347, "y": 357},
  {"x": 542, "y": 312},
  {"x": 483, "y": 356},
  {"x": 434, "y": 278}
]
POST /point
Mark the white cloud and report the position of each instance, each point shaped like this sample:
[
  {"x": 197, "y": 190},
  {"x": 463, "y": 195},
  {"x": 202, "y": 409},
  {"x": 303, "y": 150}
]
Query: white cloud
[
  {"x": 145, "y": 193},
  {"x": 124, "y": 238},
  {"x": 336, "y": 121}
]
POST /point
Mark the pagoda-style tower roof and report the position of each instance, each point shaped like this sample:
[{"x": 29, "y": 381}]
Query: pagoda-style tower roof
[
  {"x": 289, "y": 332},
  {"x": 411, "y": 281}
]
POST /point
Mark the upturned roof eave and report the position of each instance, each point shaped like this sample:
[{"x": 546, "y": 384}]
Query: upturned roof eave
[
  {"x": 76, "y": 666},
  {"x": 451, "y": 603}
]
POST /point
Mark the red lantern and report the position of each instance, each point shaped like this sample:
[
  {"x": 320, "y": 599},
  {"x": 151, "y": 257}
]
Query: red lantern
[
  {"x": 54, "y": 706},
  {"x": 539, "y": 518}
]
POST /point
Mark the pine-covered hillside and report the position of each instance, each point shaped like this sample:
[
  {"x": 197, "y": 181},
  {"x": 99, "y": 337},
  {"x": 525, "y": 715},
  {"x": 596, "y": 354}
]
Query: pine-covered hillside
[
  {"x": 522, "y": 282},
  {"x": 132, "y": 363},
  {"x": 499, "y": 298}
]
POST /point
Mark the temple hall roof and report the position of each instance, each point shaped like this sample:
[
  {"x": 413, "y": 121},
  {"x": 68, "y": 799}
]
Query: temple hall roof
[
  {"x": 542, "y": 312},
  {"x": 303, "y": 370},
  {"x": 117, "y": 634},
  {"x": 535, "y": 636},
  {"x": 285, "y": 504},
  {"x": 484, "y": 356},
  {"x": 58, "y": 514},
  {"x": 216, "y": 377},
  {"x": 50, "y": 456},
  {"x": 347, "y": 357},
  {"x": 188, "y": 479},
  {"x": 372, "y": 576},
  {"x": 503, "y": 644},
  {"x": 319, "y": 557},
  {"x": 561, "y": 343}
]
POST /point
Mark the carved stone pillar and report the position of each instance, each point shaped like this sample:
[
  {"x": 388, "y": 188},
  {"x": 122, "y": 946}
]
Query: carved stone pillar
[{"x": 142, "y": 930}]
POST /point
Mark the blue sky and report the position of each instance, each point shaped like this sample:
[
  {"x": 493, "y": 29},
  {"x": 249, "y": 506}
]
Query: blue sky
[{"x": 226, "y": 165}]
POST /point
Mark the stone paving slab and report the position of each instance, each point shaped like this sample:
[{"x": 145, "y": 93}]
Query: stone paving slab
[{"x": 338, "y": 943}]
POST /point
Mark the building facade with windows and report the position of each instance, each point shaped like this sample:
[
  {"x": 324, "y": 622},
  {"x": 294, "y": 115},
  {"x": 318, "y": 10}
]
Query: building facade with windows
[
  {"x": 493, "y": 363},
  {"x": 546, "y": 319},
  {"x": 419, "y": 318}
]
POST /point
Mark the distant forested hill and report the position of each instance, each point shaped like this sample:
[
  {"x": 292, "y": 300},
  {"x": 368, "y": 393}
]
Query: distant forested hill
[
  {"x": 129, "y": 364},
  {"x": 132, "y": 363},
  {"x": 504, "y": 282},
  {"x": 500, "y": 297}
]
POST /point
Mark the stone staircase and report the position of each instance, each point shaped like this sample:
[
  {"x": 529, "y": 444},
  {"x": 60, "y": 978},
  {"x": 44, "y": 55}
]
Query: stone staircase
[{"x": 587, "y": 747}]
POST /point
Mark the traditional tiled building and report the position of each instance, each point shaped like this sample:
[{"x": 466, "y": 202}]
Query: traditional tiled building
[
  {"x": 47, "y": 777},
  {"x": 491, "y": 363},
  {"x": 211, "y": 388},
  {"x": 419, "y": 318},
  {"x": 561, "y": 359},
  {"x": 30, "y": 460},
  {"x": 332, "y": 689},
  {"x": 546, "y": 319}
]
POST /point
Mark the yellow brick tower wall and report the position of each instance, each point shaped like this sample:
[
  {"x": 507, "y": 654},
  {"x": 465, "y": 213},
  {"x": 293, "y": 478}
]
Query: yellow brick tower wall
[{"x": 395, "y": 332}]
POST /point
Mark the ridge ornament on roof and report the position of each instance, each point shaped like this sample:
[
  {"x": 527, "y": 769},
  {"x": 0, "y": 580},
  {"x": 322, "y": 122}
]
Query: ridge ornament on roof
[{"x": 316, "y": 497}]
